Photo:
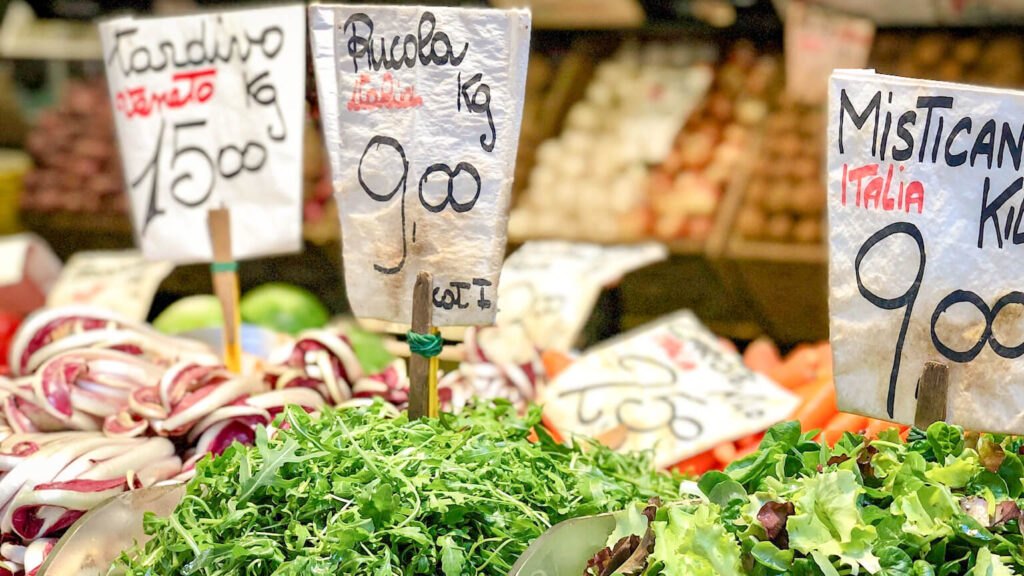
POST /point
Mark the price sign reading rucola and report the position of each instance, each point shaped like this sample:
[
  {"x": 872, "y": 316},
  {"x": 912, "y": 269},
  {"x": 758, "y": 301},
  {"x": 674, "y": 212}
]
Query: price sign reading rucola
[
  {"x": 925, "y": 207},
  {"x": 209, "y": 112},
  {"x": 421, "y": 110}
]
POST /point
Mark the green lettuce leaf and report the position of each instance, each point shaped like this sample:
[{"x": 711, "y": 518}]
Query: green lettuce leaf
[
  {"x": 695, "y": 544},
  {"x": 828, "y": 521},
  {"x": 928, "y": 512},
  {"x": 957, "y": 472},
  {"x": 628, "y": 522},
  {"x": 988, "y": 564}
]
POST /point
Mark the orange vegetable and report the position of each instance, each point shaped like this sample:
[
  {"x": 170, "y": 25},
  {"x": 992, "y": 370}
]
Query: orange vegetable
[
  {"x": 762, "y": 355},
  {"x": 875, "y": 426},
  {"x": 554, "y": 362},
  {"x": 696, "y": 465},
  {"x": 552, "y": 430},
  {"x": 819, "y": 406},
  {"x": 840, "y": 423},
  {"x": 825, "y": 359},
  {"x": 753, "y": 439},
  {"x": 803, "y": 365},
  {"x": 744, "y": 452},
  {"x": 724, "y": 453}
]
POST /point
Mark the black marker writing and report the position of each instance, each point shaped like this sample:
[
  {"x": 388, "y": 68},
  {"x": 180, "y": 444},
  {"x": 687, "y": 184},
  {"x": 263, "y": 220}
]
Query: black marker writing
[
  {"x": 222, "y": 45},
  {"x": 427, "y": 46}
]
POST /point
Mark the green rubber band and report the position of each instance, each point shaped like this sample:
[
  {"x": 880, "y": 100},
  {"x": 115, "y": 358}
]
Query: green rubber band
[
  {"x": 426, "y": 345},
  {"x": 223, "y": 266}
]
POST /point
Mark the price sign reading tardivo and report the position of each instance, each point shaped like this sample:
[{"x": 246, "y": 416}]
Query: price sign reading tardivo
[
  {"x": 421, "y": 110},
  {"x": 209, "y": 113},
  {"x": 925, "y": 207}
]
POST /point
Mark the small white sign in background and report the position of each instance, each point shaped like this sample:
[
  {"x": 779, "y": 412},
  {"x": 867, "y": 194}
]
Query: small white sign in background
[
  {"x": 421, "y": 110},
  {"x": 673, "y": 388},
  {"x": 122, "y": 281},
  {"x": 209, "y": 112},
  {"x": 549, "y": 287},
  {"x": 925, "y": 199}
]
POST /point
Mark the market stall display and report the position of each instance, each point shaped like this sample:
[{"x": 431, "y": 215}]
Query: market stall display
[
  {"x": 372, "y": 494},
  {"x": 940, "y": 502},
  {"x": 488, "y": 415},
  {"x": 89, "y": 386}
]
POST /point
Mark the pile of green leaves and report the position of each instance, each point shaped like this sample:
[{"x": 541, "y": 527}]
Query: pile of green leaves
[
  {"x": 939, "y": 504},
  {"x": 354, "y": 492}
]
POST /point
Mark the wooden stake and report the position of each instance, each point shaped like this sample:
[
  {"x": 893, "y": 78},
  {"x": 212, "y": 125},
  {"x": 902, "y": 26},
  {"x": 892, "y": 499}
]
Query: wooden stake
[
  {"x": 932, "y": 390},
  {"x": 225, "y": 286},
  {"x": 422, "y": 371}
]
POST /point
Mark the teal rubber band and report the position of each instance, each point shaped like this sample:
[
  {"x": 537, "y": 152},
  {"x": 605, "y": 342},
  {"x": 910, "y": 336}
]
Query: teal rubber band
[
  {"x": 426, "y": 345},
  {"x": 223, "y": 266}
]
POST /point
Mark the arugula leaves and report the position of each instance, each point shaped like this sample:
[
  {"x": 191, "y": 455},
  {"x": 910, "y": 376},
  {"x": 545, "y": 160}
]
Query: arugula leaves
[{"x": 355, "y": 492}]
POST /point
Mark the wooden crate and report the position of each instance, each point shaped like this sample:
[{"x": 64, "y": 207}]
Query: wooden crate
[{"x": 786, "y": 284}]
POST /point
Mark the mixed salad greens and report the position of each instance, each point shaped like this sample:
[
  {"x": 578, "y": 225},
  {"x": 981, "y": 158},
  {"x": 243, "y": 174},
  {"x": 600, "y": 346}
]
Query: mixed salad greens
[
  {"x": 357, "y": 492},
  {"x": 941, "y": 503}
]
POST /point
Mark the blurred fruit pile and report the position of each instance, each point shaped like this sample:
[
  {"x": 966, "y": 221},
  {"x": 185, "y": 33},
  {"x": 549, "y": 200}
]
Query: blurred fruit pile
[
  {"x": 688, "y": 186},
  {"x": 76, "y": 164},
  {"x": 991, "y": 59},
  {"x": 785, "y": 198},
  {"x": 590, "y": 182}
]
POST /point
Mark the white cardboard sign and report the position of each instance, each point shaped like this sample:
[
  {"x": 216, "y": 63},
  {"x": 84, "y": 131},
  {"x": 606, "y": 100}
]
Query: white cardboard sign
[
  {"x": 673, "y": 388},
  {"x": 122, "y": 281},
  {"x": 421, "y": 110},
  {"x": 925, "y": 206},
  {"x": 818, "y": 40},
  {"x": 209, "y": 113},
  {"x": 549, "y": 287}
]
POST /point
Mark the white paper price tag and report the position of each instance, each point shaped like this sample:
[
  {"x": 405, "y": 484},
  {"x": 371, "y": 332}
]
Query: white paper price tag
[
  {"x": 421, "y": 110},
  {"x": 549, "y": 288},
  {"x": 122, "y": 281},
  {"x": 673, "y": 388},
  {"x": 925, "y": 206},
  {"x": 209, "y": 112},
  {"x": 819, "y": 40}
]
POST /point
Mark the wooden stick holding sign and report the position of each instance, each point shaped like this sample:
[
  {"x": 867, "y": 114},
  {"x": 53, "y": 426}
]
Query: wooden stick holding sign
[
  {"x": 424, "y": 344},
  {"x": 931, "y": 395},
  {"x": 224, "y": 270}
]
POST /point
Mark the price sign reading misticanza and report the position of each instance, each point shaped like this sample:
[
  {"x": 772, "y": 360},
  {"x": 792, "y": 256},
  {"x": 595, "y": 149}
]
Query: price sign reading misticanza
[
  {"x": 209, "y": 113},
  {"x": 925, "y": 206},
  {"x": 421, "y": 109}
]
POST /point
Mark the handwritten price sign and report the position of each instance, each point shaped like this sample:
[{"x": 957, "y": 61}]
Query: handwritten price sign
[
  {"x": 421, "y": 110},
  {"x": 925, "y": 207},
  {"x": 209, "y": 113},
  {"x": 673, "y": 388}
]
